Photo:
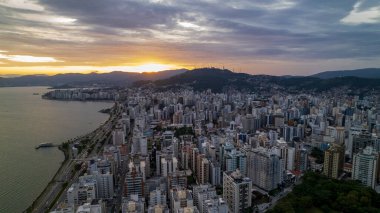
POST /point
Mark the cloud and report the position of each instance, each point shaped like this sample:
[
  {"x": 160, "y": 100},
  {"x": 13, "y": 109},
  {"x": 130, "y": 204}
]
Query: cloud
[
  {"x": 114, "y": 32},
  {"x": 362, "y": 15},
  {"x": 28, "y": 58},
  {"x": 22, "y": 4}
]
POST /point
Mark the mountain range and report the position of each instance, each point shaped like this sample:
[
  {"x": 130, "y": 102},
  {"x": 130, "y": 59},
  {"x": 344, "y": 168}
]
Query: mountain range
[
  {"x": 205, "y": 78},
  {"x": 116, "y": 78},
  {"x": 361, "y": 73},
  {"x": 217, "y": 80}
]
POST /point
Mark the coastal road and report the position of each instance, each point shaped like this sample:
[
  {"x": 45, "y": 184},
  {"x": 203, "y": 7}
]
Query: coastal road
[
  {"x": 67, "y": 173},
  {"x": 83, "y": 157}
]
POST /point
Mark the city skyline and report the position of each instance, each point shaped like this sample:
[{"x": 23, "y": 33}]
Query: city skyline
[{"x": 276, "y": 37}]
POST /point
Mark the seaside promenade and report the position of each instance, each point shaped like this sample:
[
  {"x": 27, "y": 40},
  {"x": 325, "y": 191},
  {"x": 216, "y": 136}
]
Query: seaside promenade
[{"x": 67, "y": 172}]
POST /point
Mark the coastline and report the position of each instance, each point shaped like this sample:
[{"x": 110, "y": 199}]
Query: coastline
[
  {"x": 46, "y": 97},
  {"x": 65, "y": 152},
  {"x": 64, "y": 163}
]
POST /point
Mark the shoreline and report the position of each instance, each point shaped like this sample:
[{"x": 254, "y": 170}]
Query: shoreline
[
  {"x": 66, "y": 153},
  {"x": 75, "y": 100}
]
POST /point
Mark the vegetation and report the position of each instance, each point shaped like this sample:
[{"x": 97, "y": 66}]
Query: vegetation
[
  {"x": 274, "y": 192},
  {"x": 259, "y": 198},
  {"x": 213, "y": 78},
  {"x": 248, "y": 210},
  {"x": 77, "y": 166},
  {"x": 65, "y": 149},
  {"x": 191, "y": 180},
  {"x": 184, "y": 131},
  {"x": 318, "y": 154},
  {"x": 219, "y": 190},
  {"x": 317, "y": 193}
]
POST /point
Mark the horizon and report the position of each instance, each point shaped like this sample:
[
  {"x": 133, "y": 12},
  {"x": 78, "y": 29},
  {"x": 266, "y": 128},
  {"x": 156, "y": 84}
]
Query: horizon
[
  {"x": 152, "y": 72},
  {"x": 274, "y": 37}
]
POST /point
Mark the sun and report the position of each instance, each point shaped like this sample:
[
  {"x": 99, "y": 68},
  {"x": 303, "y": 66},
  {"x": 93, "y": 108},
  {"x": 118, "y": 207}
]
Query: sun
[
  {"x": 144, "y": 67},
  {"x": 152, "y": 67}
]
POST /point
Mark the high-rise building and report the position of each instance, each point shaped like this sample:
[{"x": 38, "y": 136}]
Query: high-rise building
[
  {"x": 134, "y": 182},
  {"x": 215, "y": 173},
  {"x": 167, "y": 138},
  {"x": 365, "y": 167},
  {"x": 301, "y": 160},
  {"x": 286, "y": 153},
  {"x": 133, "y": 204},
  {"x": 333, "y": 161},
  {"x": 104, "y": 185},
  {"x": 143, "y": 146},
  {"x": 158, "y": 209},
  {"x": 118, "y": 136},
  {"x": 177, "y": 179},
  {"x": 201, "y": 193},
  {"x": 265, "y": 168},
  {"x": 180, "y": 198},
  {"x": 169, "y": 165},
  {"x": 237, "y": 191},
  {"x": 102, "y": 172},
  {"x": 80, "y": 193},
  {"x": 157, "y": 197},
  {"x": 217, "y": 205},
  {"x": 191, "y": 209},
  {"x": 204, "y": 171},
  {"x": 94, "y": 205},
  {"x": 358, "y": 138},
  {"x": 235, "y": 160}
]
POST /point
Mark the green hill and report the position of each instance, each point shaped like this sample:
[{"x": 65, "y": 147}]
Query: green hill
[
  {"x": 361, "y": 73},
  {"x": 317, "y": 193},
  {"x": 218, "y": 80}
]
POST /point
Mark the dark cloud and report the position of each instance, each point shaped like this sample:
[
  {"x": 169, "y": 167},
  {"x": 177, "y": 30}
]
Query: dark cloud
[
  {"x": 239, "y": 29},
  {"x": 115, "y": 13}
]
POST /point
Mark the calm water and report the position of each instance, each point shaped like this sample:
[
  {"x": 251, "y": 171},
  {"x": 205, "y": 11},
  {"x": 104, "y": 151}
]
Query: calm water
[{"x": 27, "y": 120}]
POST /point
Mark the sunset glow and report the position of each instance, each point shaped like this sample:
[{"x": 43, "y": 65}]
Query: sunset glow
[{"x": 51, "y": 70}]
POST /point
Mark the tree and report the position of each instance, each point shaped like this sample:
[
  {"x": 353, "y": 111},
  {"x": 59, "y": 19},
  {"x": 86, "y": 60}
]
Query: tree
[
  {"x": 318, "y": 154},
  {"x": 318, "y": 193}
]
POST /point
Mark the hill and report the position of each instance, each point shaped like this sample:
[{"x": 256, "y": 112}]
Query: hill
[
  {"x": 318, "y": 193},
  {"x": 218, "y": 80},
  {"x": 207, "y": 78},
  {"x": 116, "y": 78},
  {"x": 361, "y": 73},
  {"x": 201, "y": 79}
]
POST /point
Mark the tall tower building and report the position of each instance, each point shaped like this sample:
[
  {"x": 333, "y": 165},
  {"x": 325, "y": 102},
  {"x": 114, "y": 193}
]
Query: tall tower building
[
  {"x": 204, "y": 171},
  {"x": 134, "y": 182},
  {"x": 334, "y": 160},
  {"x": 215, "y": 173},
  {"x": 365, "y": 167},
  {"x": 118, "y": 136},
  {"x": 237, "y": 191},
  {"x": 235, "y": 160},
  {"x": 265, "y": 168}
]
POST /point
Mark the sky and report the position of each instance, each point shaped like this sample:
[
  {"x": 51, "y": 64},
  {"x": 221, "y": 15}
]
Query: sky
[{"x": 276, "y": 37}]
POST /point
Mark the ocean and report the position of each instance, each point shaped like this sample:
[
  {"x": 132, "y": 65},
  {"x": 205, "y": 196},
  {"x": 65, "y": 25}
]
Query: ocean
[{"x": 27, "y": 120}]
